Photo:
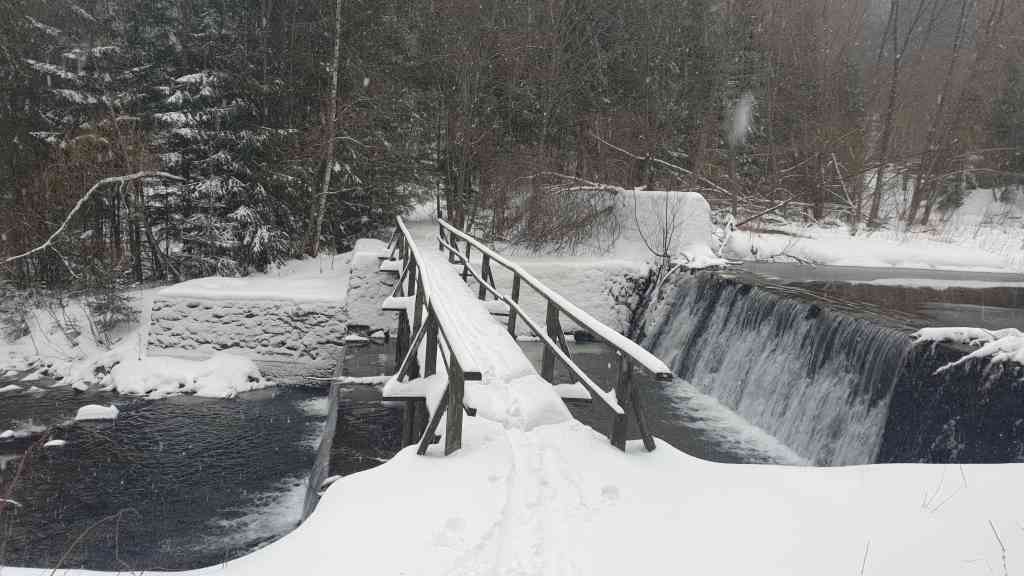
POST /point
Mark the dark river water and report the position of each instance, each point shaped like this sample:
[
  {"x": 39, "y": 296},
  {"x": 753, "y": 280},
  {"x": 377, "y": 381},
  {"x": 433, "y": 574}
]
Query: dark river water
[{"x": 171, "y": 484}]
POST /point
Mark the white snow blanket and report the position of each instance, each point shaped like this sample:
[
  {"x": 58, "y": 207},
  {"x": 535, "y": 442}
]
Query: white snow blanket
[{"x": 221, "y": 376}]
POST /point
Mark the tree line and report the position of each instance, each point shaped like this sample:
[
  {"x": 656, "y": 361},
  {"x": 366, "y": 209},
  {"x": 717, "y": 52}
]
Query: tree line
[{"x": 258, "y": 130}]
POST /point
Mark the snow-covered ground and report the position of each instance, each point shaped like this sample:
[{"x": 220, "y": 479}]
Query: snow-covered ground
[{"x": 983, "y": 234}]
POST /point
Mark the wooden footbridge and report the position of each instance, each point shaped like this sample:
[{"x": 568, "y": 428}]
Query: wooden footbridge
[{"x": 473, "y": 334}]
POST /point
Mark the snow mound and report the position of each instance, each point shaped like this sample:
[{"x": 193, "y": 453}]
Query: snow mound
[
  {"x": 222, "y": 376},
  {"x": 1000, "y": 346},
  {"x": 323, "y": 279},
  {"x": 54, "y": 444},
  {"x": 96, "y": 412},
  {"x": 10, "y": 388}
]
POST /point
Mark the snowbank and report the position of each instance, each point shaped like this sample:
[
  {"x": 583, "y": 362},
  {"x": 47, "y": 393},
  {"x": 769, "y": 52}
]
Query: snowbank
[
  {"x": 999, "y": 346},
  {"x": 983, "y": 234},
  {"x": 96, "y": 412},
  {"x": 323, "y": 279},
  {"x": 221, "y": 376}
]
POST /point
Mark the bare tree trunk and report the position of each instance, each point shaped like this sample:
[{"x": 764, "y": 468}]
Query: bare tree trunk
[
  {"x": 332, "y": 119},
  {"x": 929, "y": 161},
  {"x": 890, "y": 112},
  {"x": 898, "y": 56}
]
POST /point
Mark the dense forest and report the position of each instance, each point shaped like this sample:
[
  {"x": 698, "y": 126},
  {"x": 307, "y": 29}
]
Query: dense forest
[{"x": 165, "y": 139}]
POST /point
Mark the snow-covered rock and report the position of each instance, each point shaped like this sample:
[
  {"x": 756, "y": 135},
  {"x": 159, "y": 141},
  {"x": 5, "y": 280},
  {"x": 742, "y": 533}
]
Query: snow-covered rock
[
  {"x": 55, "y": 444},
  {"x": 999, "y": 346},
  {"x": 10, "y": 388},
  {"x": 6, "y": 434},
  {"x": 221, "y": 376},
  {"x": 96, "y": 412}
]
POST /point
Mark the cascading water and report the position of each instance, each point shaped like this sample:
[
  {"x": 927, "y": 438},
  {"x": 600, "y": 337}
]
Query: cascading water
[
  {"x": 819, "y": 381},
  {"x": 834, "y": 384}
]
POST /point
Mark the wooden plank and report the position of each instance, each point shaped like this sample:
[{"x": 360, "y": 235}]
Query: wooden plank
[{"x": 456, "y": 391}]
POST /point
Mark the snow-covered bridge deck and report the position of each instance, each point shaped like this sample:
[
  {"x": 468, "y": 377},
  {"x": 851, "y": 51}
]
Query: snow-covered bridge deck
[{"x": 485, "y": 371}]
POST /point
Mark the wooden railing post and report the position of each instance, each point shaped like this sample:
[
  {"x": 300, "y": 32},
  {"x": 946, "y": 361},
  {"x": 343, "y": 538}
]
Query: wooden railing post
[
  {"x": 623, "y": 393},
  {"x": 482, "y": 291},
  {"x": 547, "y": 368},
  {"x": 516, "y": 282},
  {"x": 417, "y": 322},
  {"x": 465, "y": 263},
  {"x": 402, "y": 341},
  {"x": 430, "y": 362},
  {"x": 412, "y": 276},
  {"x": 456, "y": 392}
]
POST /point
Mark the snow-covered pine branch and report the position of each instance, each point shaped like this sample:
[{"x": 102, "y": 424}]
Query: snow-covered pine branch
[{"x": 81, "y": 202}]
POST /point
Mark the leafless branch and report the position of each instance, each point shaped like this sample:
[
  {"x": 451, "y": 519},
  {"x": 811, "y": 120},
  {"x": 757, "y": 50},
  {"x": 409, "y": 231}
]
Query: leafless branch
[
  {"x": 81, "y": 202},
  {"x": 778, "y": 206},
  {"x": 668, "y": 165}
]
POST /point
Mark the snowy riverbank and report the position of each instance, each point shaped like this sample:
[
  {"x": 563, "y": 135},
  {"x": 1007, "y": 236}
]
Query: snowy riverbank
[{"x": 983, "y": 234}]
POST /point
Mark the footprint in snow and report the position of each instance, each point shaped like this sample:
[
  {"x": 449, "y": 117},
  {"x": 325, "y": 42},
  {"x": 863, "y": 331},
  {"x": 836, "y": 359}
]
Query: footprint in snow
[
  {"x": 610, "y": 493},
  {"x": 451, "y": 534}
]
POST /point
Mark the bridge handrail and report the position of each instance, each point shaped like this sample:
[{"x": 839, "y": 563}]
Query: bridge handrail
[
  {"x": 607, "y": 399},
  {"x": 446, "y": 320},
  {"x": 623, "y": 345}
]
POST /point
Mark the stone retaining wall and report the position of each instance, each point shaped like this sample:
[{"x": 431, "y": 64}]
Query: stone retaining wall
[{"x": 285, "y": 339}]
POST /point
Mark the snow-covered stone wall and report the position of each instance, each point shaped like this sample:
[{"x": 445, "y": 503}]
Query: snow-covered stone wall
[
  {"x": 292, "y": 321},
  {"x": 285, "y": 339},
  {"x": 368, "y": 288}
]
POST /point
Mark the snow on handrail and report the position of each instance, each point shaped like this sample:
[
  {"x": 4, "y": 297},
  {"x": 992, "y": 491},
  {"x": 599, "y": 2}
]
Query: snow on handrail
[
  {"x": 607, "y": 398},
  {"x": 447, "y": 318},
  {"x": 637, "y": 353}
]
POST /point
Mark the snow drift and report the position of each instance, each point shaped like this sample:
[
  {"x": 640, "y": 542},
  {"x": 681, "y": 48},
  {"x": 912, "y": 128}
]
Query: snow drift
[{"x": 221, "y": 376}]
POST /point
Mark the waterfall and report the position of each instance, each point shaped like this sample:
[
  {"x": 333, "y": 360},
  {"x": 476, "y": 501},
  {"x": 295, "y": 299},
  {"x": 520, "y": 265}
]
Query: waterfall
[{"x": 817, "y": 380}]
